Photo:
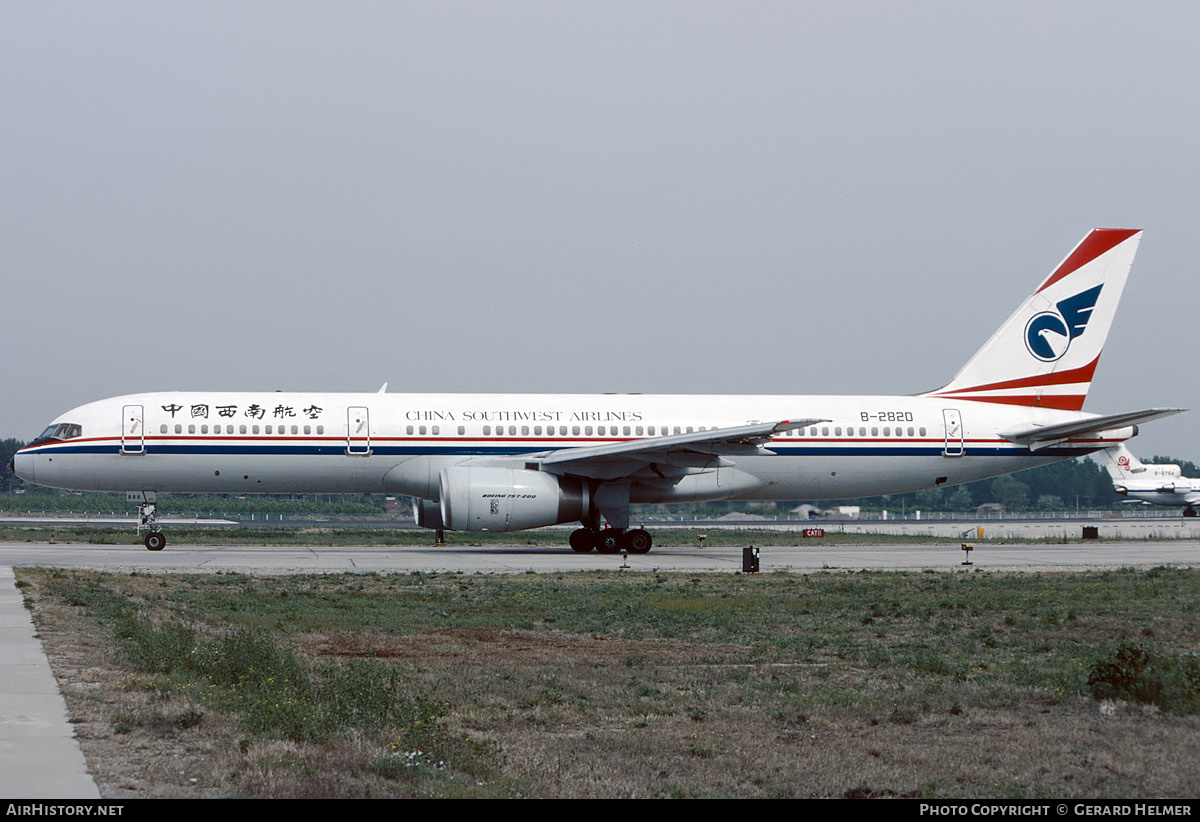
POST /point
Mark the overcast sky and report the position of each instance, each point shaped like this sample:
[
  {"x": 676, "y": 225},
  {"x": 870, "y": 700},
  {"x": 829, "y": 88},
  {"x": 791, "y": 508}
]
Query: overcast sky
[{"x": 696, "y": 197}]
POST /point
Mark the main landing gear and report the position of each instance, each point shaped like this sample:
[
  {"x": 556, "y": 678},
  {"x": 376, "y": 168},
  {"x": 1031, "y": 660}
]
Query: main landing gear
[{"x": 611, "y": 540}]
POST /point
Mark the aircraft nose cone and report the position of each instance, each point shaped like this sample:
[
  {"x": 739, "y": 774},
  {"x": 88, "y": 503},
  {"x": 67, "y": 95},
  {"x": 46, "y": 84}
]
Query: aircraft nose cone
[{"x": 22, "y": 466}]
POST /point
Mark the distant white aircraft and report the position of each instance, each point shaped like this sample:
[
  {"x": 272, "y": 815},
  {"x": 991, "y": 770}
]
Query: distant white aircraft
[
  {"x": 1155, "y": 483},
  {"x": 506, "y": 462}
]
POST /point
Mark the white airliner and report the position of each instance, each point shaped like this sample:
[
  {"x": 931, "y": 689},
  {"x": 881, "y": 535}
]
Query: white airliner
[
  {"x": 1159, "y": 484},
  {"x": 506, "y": 462}
]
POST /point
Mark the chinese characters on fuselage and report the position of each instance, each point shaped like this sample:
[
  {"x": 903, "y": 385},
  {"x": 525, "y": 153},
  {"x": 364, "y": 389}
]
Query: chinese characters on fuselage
[{"x": 254, "y": 411}]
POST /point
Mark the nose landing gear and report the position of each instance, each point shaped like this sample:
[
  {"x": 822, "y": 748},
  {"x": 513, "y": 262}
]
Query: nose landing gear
[{"x": 154, "y": 540}]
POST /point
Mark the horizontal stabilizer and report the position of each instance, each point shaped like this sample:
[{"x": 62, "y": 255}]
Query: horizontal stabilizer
[{"x": 1045, "y": 435}]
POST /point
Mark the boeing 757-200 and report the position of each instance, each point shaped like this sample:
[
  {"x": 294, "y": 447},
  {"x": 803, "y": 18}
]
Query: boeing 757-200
[{"x": 507, "y": 462}]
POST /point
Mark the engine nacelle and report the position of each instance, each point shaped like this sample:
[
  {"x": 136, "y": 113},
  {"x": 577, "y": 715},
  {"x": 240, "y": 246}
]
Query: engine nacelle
[{"x": 487, "y": 498}]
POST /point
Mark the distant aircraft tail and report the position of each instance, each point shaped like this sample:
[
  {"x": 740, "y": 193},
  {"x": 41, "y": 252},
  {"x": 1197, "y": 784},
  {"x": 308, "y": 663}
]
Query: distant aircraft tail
[
  {"x": 1121, "y": 464},
  {"x": 1045, "y": 354},
  {"x": 1124, "y": 467}
]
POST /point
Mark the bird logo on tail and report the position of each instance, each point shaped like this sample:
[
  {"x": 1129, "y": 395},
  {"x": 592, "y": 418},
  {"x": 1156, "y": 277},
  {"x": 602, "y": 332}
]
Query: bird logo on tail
[{"x": 1048, "y": 334}]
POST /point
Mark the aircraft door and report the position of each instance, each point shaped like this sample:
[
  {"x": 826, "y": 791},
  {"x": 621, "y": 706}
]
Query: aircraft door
[
  {"x": 133, "y": 430},
  {"x": 358, "y": 431},
  {"x": 954, "y": 433}
]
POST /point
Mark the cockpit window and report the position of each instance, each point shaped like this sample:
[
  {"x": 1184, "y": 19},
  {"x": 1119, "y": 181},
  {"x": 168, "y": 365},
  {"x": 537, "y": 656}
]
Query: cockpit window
[{"x": 61, "y": 431}]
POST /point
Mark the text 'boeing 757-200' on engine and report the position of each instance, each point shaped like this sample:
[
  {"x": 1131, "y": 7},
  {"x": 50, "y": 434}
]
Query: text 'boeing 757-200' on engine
[{"x": 507, "y": 462}]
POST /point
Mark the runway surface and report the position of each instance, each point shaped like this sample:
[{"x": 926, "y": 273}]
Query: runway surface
[{"x": 520, "y": 559}]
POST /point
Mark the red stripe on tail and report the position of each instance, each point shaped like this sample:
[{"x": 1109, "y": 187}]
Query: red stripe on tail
[{"x": 1099, "y": 241}]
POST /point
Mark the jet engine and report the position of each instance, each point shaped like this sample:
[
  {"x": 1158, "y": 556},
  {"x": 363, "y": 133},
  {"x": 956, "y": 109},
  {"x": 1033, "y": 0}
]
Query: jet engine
[{"x": 490, "y": 498}]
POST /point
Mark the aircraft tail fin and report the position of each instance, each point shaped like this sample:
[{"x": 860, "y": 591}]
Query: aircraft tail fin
[
  {"x": 1121, "y": 464},
  {"x": 1124, "y": 467},
  {"x": 1046, "y": 352}
]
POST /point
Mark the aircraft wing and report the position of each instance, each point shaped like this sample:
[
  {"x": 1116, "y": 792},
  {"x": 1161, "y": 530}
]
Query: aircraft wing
[
  {"x": 1043, "y": 436},
  {"x": 675, "y": 448}
]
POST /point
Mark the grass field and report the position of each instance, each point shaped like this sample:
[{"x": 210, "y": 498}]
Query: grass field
[{"x": 646, "y": 685}]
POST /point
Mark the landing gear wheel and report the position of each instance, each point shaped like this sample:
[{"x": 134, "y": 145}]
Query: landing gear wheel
[
  {"x": 609, "y": 541},
  {"x": 1189, "y": 511},
  {"x": 155, "y": 541},
  {"x": 583, "y": 540},
  {"x": 638, "y": 541}
]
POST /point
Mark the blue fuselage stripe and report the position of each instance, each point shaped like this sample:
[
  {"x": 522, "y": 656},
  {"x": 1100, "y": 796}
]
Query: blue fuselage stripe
[{"x": 482, "y": 448}]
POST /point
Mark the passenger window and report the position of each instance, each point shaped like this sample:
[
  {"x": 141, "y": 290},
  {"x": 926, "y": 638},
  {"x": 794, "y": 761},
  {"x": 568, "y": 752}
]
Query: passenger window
[
  {"x": 824, "y": 432},
  {"x": 627, "y": 430},
  {"x": 462, "y": 429},
  {"x": 436, "y": 430},
  {"x": 922, "y": 430},
  {"x": 524, "y": 430},
  {"x": 837, "y": 432},
  {"x": 254, "y": 429},
  {"x": 307, "y": 430},
  {"x": 162, "y": 429},
  {"x": 178, "y": 428}
]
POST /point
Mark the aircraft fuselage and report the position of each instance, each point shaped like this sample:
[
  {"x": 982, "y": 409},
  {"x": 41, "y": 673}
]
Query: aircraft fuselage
[{"x": 398, "y": 443}]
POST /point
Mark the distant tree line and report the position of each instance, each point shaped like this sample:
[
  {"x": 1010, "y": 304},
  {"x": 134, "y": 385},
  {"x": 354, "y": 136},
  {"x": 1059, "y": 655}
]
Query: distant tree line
[
  {"x": 8, "y": 480},
  {"x": 1062, "y": 486},
  {"x": 1057, "y": 487}
]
